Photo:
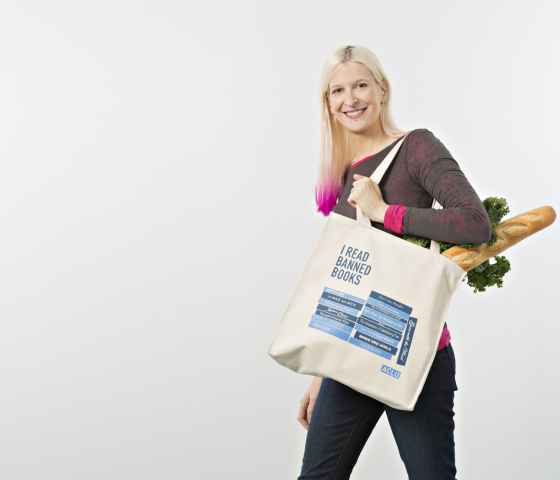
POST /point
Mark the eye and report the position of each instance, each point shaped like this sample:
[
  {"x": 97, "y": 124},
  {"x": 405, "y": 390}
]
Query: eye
[{"x": 361, "y": 84}]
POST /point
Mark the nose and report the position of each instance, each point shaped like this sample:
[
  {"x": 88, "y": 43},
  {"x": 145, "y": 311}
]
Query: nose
[{"x": 351, "y": 99}]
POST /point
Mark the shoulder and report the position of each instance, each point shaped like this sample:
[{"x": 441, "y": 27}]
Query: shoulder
[
  {"x": 422, "y": 138},
  {"x": 423, "y": 148}
]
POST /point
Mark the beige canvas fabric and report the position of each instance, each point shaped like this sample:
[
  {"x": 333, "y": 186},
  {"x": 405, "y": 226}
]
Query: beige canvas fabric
[{"x": 368, "y": 310}]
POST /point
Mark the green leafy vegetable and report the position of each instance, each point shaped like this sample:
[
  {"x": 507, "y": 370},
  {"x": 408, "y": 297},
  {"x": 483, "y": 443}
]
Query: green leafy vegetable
[{"x": 486, "y": 274}]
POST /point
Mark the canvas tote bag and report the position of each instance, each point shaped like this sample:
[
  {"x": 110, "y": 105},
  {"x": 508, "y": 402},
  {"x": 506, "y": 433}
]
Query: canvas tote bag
[{"x": 369, "y": 309}]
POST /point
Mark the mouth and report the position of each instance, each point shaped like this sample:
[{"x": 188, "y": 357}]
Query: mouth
[{"x": 355, "y": 114}]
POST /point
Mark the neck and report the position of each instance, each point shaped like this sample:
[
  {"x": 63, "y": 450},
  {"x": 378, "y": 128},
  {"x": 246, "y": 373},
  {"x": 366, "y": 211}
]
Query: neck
[{"x": 368, "y": 142}]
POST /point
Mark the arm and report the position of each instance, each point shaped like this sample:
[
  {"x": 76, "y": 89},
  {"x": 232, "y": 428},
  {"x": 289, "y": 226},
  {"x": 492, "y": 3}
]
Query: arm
[
  {"x": 307, "y": 403},
  {"x": 463, "y": 218}
]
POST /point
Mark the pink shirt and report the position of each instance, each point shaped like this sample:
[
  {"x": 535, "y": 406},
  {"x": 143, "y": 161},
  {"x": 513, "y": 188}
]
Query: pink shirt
[{"x": 393, "y": 221}]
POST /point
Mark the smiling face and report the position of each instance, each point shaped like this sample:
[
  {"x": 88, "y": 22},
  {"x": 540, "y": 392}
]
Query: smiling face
[{"x": 355, "y": 97}]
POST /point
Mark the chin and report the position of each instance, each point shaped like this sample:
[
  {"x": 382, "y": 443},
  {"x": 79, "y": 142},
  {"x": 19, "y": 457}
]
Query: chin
[
  {"x": 363, "y": 127},
  {"x": 358, "y": 127}
]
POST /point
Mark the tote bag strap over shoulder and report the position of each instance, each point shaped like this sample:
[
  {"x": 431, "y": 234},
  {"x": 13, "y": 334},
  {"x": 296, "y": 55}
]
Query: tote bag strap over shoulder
[{"x": 377, "y": 176}]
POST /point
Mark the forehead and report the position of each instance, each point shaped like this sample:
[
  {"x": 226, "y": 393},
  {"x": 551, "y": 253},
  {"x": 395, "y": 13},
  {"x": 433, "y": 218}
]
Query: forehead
[{"x": 349, "y": 72}]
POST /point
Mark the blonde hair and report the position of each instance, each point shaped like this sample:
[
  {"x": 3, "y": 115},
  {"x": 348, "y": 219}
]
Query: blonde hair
[{"x": 336, "y": 150}]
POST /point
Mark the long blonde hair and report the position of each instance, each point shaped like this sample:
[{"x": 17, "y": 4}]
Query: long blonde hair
[{"x": 336, "y": 153}]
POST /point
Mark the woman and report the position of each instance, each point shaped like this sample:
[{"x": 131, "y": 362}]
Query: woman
[{"x": 357, "y": 133}]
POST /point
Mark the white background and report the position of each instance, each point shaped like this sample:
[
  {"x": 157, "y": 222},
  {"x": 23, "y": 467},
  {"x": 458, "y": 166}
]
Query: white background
[{"x": 156, "y": 199}]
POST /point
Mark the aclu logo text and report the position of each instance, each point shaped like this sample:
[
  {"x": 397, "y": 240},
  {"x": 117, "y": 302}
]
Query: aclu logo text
[{"x": 392, "y": 372}]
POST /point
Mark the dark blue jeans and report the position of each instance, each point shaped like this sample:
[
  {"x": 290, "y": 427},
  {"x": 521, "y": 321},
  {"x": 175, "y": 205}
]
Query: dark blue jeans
[{"x": 343, "y": 419}]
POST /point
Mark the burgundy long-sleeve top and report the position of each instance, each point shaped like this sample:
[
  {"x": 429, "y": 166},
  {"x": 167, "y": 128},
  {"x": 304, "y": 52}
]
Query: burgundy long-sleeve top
[{"x": 423, "y": 169}]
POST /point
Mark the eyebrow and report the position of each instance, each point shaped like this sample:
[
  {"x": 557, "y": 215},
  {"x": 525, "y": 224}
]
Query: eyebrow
[{"x": 359, "y": 80}]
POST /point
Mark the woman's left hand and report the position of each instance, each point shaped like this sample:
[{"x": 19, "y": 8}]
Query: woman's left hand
[{"x": 367, "y": 194}]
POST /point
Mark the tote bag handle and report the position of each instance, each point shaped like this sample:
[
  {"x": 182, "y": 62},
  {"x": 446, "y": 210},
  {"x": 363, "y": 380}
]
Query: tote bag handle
[{"x": 377, "y": 175}]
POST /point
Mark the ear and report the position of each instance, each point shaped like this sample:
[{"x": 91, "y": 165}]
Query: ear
[
  {"x": 383, "y": 90},
  {"x": 384, "y": 85}
]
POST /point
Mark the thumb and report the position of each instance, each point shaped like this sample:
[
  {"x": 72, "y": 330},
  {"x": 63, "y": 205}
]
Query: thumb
[{"x": 356, "y": 175}]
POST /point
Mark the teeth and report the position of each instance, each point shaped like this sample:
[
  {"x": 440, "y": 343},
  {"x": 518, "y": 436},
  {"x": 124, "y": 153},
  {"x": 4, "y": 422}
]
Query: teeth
[{"x": 355, "y": 113}]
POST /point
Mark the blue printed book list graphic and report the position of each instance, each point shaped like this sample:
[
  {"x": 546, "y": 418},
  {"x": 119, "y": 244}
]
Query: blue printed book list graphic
[
  {"x": 381, "y": 325},
  {"x": 336, "y": 313}
]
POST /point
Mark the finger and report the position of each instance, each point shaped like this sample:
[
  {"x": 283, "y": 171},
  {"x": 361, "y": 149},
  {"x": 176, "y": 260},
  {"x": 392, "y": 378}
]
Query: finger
[
  {"x": 357, "y": 176},
  {"x": 310, "y": 411},
  {"x": 360, "y": 184},
  {"x": 303, "y": 412},
  {"x": 354, "y": 195},
  {"x": 302, "y": 407},
  {"x": 303, "y": 422}
]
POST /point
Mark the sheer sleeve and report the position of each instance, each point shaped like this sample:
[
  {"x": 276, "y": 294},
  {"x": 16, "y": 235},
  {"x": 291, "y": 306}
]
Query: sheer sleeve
[{"x": 463, "y": 218}]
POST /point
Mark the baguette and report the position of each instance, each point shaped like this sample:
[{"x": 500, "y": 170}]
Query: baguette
[{"x": 509, "y": 232}]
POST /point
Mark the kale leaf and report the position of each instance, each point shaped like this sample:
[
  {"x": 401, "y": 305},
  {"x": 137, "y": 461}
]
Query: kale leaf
[{"x": 486, "y": 274}]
